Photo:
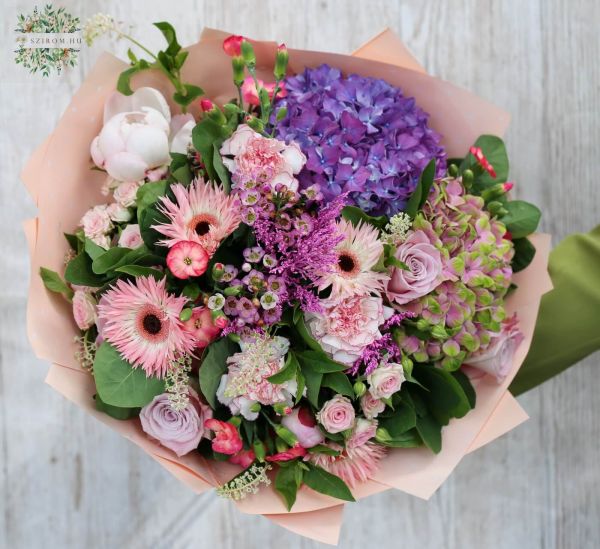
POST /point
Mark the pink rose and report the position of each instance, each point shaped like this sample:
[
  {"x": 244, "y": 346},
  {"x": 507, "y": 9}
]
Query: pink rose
[
  {"x": 363, "y": 431},
  {"x": 202, "y": 326},
  {"x": 125, "y": 194},
  {"x": 84, "y": 309},
  {"x": 497, "y": 358},
  {"x": 345, "y": 328},
  {"x": 386, "y": 380},
  {"x": 227, "y": 439},
  {"x": 118, "y": 213},
  {"x": 96, "y": 222},
  {"x": 371, "y": 406},
  {"x": 302, "y": 423},
  {"x": 180, "y": 431},
  {"x": 131, "y": 237},
  {"x": 424, "y": 263},
  {"x": 337, "y": 414}
]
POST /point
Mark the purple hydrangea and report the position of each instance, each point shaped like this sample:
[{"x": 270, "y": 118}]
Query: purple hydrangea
[{"x": 361, "y": 136}]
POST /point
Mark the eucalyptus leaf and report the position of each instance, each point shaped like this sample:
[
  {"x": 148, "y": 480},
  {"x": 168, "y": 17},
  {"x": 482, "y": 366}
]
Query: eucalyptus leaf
[
  {"x": 524, "y": 254},
  {"x": 115, "y": 411},
  {"x": 522, "y": 218}
]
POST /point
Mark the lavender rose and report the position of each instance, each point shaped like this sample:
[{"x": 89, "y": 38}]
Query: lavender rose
[
  {"x": 496, "y": 359},
  {"x": 336, "y": 415},
  {"x": 386, "y": 380},
  {"x": 179, "y": 431},
  {"x": 424, "y": 262}
]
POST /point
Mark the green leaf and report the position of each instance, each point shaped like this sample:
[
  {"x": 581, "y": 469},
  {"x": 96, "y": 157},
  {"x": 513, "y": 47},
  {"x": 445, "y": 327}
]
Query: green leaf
[
  {"x": 55, "y": 283},
  {"x": 430, "y": 432},
  {"x": 191, "y": 291},
  {"x": 220, "y": 168},
  {"x": 73, "y": 241},
  {"x": 287, "y": 482},
  {"x": 192, "y": 93},
  {"x": 120, "y": 384},
  {"x": 421, "y": 192},
  {"x": 115, "y": 411},
  {"x": 325, "y": 483},
  {"x": 524, "y": 254},
  {"x": 109, "y": 260},
  {"x": 522, "y": 218},
  {"x": 356, "y": 215},
  {"x": 170, "y": 36},
  {"x": 124, "y": 81},
  {"x": 468, "y": 389},
  {"x": 213, "y": 367},
  {"x": 339, "y": 382},
  {"x": 322, "y": 449},
  {"x": 138, "y": 270},
  {"x": 320, "y": 362},
  {"x": 495, "y": 151},
  {"x": 409, "y": 439},
  {"x": 287, "y": 372},
  {"x": 304, "y": 333},
  {"x": 301, "y": 382},
  {"x": 404, "y": 419},
  {"x": 313, "y": 380},
  {"x": 148, "y": 194},
  {"x": 92, "y": 249},
  {"x": 79, "y": 271}
]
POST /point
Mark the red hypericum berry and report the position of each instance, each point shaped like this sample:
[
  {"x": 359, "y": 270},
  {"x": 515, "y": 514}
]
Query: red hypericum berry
[
  {"x": 508, "y": 236},
  {"x": 232, "y": 45},
  {"x": 206, "y": 105}
]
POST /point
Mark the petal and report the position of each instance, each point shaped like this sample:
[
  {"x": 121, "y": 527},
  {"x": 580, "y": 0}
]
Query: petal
[
  {"x": 96, "y": 153},
  {"x": 181, "y": 140},
  {"x": 294, "y": 157},
  {"x": 150, "y": 144},
  {"x": 150, "y": 97},
  {"x": 125, "y": 166},
  {"x": 110, "y": 140}
]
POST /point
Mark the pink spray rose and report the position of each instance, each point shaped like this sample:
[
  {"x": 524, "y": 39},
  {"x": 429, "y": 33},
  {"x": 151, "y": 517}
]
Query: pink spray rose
[
  {"x": 363, "y": 431},
  {"x": 386, "y": 380},
  {"x": 337, "y": 414},
  {"x": 96, "y": 222},
  {"x": 424, "y": 263},
  {"x": 131, "y": 237},
  {"x": 118, "y": 213},
  {"x": 227, "y": 440},
  {"x": 179, "y": 431},
  {"x": 371, "y": 406},
  {"x": 344, "y": 329},
  {"x": 84, "y": 309},
  {"x": 302, "y": 423},
  {"x": 126, "y": 193},
  {"x": 202, "y": 326},
  {"x": 496, "y": 359}
]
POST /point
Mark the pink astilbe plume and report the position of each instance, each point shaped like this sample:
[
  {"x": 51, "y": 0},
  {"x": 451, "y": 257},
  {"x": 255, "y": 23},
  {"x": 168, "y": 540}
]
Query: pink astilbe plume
[
  {"x": 203, "y": 213},
  {"x": 353, "y": 465},
  {"x": 142, "y": 321}
]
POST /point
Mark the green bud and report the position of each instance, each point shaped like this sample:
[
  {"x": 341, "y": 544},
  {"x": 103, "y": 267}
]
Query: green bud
[
  {"x": 255, "y": 407},
  {"x": 493, "y": 192},
  {"x": 217, "y": 116},
  {"x": 359, "y": 389},
  {"x": 232, "y": 290},
  {"x": 407, "y": 365},
  {"x": 423, "y": 325},
  {"x": 236, "y": 421},
  {"x": 248, "y": 54},
  {"x": 467, "y": 179},
  {"x": 439, "y": 332},
  {"x": 259, "y": 450},
  {"x": 281, "y": 114},
  {"x": 382, "y": 435},
  {"x": 237, "y": 63},
  {"x": 281, "y": 408},
  {"x": 217, "y": 271},
  {"x": 494, "y": 207},
  {"x": 281, "y": 62},
  {"x": 230, "y": 109},
  {"x": 255, "y": 123},
  {"x": 286, "y": 435},
  {"x": 280, "y": 445},
  {"x": 453, "y": 170},
  {"x": 185, "y": 314}
]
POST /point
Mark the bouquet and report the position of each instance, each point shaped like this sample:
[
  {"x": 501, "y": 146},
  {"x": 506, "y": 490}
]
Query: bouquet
[{"x": 284, "y": 278}]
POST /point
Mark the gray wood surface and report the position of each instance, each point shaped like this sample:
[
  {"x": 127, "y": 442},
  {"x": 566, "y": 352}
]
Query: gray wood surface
[{"x": 67, "y": 481}]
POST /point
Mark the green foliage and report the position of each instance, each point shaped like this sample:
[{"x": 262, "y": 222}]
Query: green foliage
[
  {"x": 288, "y": 371},
  {"x": 115, "y": 411},
  {"x": 495, "y": 151},
  {"x": 421, "y": 192},
  {"x": 55, "y": 283},
  {"x": 79, "y": 271},
  {"x": 522, "y": 218},
  {"x": 120, "y": 384},
  {"x": 288, "y": 480},
  {"x": 339, "y": 382},
  {"x": 524, "y": 254},
  {"x": 213, "y": 367},
  {"x": 207, "y": 137},
  {"x": 148, "y": 194},
  {"x": 320, "y": 362},
  {"x": 138, "y": 270},
  {"x": 325, "y": 483},
  {"x": 356, "y": 215}
]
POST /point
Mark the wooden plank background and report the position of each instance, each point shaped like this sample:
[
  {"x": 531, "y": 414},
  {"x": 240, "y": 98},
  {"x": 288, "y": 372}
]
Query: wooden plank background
[{"x": 68, "y": 482}]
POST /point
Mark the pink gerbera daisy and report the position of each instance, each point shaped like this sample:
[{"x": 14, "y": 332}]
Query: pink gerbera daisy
[
  {"x": 142, "y": 321},
  {"x": 357, "y": 254},
  {"x": 203, "y": 213},
  {"x": 353, "y": 465}
]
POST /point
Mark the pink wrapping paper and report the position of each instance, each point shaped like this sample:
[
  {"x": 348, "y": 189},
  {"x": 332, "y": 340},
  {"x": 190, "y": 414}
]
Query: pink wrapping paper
[{"x": 59, "y": 170}]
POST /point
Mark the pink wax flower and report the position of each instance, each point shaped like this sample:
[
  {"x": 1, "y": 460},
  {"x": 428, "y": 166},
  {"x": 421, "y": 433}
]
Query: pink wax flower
[
  {"x": 84, "y": 309},
  {"x": 178, "y": 430},
  {"x": 496, "y": 359},
  {"x": 244, "y": 458},
  {"x": 202, "y": 326},
  {"x": 232, "y": 45},
  {"x": 336, "y": 415},
  {"x": 364, "y": 430},
  {"x": 386, "y": 380},
  {"x": 424, "y": 263},
  {"x": 131, "y": 237},
  {"x": 344, "y": 329},
  {"x": 371, "y": 406},
  {"x": 227, "y": 439},
  {"x": 302, "y": 423},
  {"x": 287, "y": 455},
  {"x": 187, "y": 259},
  {"x": 250, "y": 95},
  {"x": 250, "y": 156}
]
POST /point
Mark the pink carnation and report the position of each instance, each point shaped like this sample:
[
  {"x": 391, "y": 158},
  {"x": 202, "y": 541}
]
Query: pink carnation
[
  {"x": 179, "y": 431},
  {"x": 227, "y": 440},
  {"x": 424, "y": 263},
  {"x": 337, "y": 414}
]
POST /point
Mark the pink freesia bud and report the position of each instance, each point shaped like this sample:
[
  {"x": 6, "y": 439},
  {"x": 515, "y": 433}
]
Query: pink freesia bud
[
  {"x": 482, "y": 160},
  {"x": 282, "y": 48},
  {"x": 508, "y": 186},
  {"x": 227, "y": 439},
  {"x": 232, "y": 45},
  {"x": 206, "y": 105},
  {"x": 243, "y": 458},
  {"x": 187, "y": 259},
  {"x": 202, "y": 327},
  {"x": 293, "y": 453}
]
